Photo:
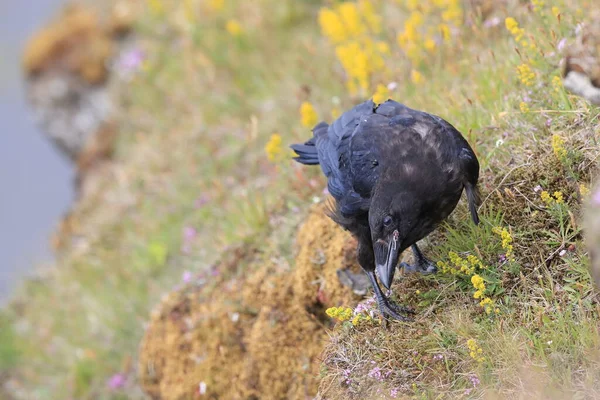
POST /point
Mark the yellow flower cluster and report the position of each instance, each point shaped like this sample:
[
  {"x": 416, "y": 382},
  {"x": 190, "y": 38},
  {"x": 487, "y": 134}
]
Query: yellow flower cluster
[
  {"x": 506, "y": 241},
  {"x": 513, "y": 27},
  {"x": 458, "y": 265},
  {"x": 479, "y": 285},
  {"x": 381, "y": 94},
  {"x": 273, "y": 148},
  {"x": 557, "y": 197},
  {"x": 475, "y": 351},
  {"x": 523, "y": 107},
  {"x": 558, "y": 146},
  {"x": 428, "y": 23},
  {"x": 308, "y": 115},
  {"x": 537, "y": 4},
  {"x": 557, "y": 84},
  {"x": 360, "y": 317},
  {"x": 526, "y": 75},
  {"x": 234, "y": 28},
  {"x": 583, "y": 189},
  {"x": 352, "y": 28},
  {"x": 416, "y": 77},
  {"x": 340, "y": 313}
]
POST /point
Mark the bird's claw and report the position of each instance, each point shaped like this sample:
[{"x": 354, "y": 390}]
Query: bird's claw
[
  {"x": 390, "y": 309},
  {"x": 424, "y": 267}
]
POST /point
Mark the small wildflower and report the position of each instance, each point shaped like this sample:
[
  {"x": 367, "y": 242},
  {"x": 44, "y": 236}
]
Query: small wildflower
[
  {"x": 537, "y": 4},
  {"x": 340, "y": 313},
  {"x": 186, "y": 277},
  {"x": 562, "y": 252},
  {"x": 524, "y": 107},
  {"x": 417, "y": 292},
  {"x": 475, "y": 351},
  {"x": 416, "y": 77},
  {"x": 234, "y": 28},
  {"x": 546, "y": 198},
  {"x": 526, "y": 75},
  {"x": 308, "y": 115},
  {"x": 506, "y": 241},
  {"x": 556, "y": 12},
  {"x": 429, "y": 44},
  {"x": 557, "y": 84},
  {"x": 513, "y": 27},
  {"x": 584, "y": 190},
  {"x": 117, "y": 381},
  {"x": 558, "y": 146},
  {"x": 478, "y": 283},
  {"x": 202, "y": 388},
  {"x": 559, "y": 197},
  {"x": 381, "y": 94},
  {"x": 273, "y": 148}
]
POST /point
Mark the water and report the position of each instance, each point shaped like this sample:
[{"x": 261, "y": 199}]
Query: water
[{"x": 35, "y": 180}]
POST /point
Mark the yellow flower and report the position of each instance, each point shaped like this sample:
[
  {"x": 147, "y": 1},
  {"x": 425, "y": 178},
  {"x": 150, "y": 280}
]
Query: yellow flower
[
  {"x": 478, "y": 283},
  {"x": 475, "y": 351},
  {"x": 558, "y": 146},
  {"x": 526, "y": 75},
  {"x": 381, "y": 94},
  {"x": 308, "y": 115},
  {"x": 445, "y": 30},
  {"x": 546, "y": 198},
  {"x": 339, "y": 313},
  {"x": 332, "y": 26},
  {"x": 429, "y": 44},
  {"x": 350, "y": 16},
  {"x": 416, "y": 77},
  {"x": 523, "y": 107},
  {"x": 557, "y": 84},
  {"x": 556, "y": 12},
  {"x": 372, "y": 19},
  {"x": 234, "y": 28},
  {"x": 506, "y": 240},
  {"x": 273, "y": 148},
  {"x": 583, "y": 189},
  {"x": 559, "y": 197},
  {"x": 537, "y": 4},
  {"x": 417, "y": 291},
  {"x": 513, "y": 27}
]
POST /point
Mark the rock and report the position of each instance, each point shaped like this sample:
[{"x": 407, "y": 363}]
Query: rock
[
  {"x": 582, "y": 62},
  {"x": 67, "y": 66}
]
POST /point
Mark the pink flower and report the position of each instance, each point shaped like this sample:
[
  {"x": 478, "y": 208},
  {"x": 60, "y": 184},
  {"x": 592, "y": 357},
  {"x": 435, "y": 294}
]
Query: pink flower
[
  {"x": 186, "y": 277},
  {"x": 117, "y": 381}
]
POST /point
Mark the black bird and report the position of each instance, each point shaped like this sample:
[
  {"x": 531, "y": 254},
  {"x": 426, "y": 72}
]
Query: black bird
[{"x": 395, "y": 174}]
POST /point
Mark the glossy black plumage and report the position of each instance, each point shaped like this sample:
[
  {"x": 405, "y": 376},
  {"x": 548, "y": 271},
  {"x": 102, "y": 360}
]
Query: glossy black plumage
[{"x": 395, "y": 173}]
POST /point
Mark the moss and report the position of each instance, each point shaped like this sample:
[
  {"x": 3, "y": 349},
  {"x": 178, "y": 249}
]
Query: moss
[{"x": 255, "y": 332}]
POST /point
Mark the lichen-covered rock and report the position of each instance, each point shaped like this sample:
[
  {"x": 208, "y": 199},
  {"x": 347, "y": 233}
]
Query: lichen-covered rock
[
  {"x": 67, "y": 65},
  {"x": 257, "y": 329}
]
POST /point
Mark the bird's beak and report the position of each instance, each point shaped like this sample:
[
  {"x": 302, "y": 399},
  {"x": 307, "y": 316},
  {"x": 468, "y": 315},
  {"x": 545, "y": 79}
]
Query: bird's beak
[{"x": 387, "y": 259}]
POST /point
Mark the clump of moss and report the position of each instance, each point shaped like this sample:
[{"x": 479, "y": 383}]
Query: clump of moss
[{"x": 256, "y": 330}]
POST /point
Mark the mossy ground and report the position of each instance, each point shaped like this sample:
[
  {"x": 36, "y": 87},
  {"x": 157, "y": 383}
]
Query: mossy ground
[{"x": 191, "y": 181}]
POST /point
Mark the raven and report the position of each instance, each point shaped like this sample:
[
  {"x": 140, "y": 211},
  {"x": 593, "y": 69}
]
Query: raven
[{"x": 395, "y": 174}]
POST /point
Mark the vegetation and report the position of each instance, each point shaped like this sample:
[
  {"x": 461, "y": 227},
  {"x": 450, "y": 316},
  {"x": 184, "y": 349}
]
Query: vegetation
[{"x": 202, "y": 165}]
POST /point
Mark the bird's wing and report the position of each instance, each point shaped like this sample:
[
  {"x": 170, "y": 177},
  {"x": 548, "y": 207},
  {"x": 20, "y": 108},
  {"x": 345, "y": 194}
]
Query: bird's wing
[{"x": 333, "y": 145}]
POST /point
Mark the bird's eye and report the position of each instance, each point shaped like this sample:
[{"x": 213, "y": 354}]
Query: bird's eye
[{"x": 387, "y": 221}]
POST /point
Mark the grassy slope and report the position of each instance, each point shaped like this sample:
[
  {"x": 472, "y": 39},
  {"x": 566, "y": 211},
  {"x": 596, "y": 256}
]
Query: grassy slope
[{"x": 195, "y": 122}]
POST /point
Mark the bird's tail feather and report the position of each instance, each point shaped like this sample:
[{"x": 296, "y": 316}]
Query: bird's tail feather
[
  {"x": 307, "y": 152},
  {"x": 474, "y": 200}
]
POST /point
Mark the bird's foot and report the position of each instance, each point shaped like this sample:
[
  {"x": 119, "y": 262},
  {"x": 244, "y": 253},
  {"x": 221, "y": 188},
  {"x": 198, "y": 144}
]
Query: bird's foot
[
  {"x": 423, "y": 266},
  {"x": 390, "y": 309}
]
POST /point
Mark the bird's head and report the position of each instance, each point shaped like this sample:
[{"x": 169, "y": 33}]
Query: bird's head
[{"x": 395, "y": 223}]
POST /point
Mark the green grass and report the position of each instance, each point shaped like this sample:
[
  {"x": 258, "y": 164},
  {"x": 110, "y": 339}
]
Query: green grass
[{"x": 194, "y": 125}]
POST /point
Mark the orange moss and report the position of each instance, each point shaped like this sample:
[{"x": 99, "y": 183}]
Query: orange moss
[
  {"x": 255, "y": 332},
  {"x": 78, "y": 41}
]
